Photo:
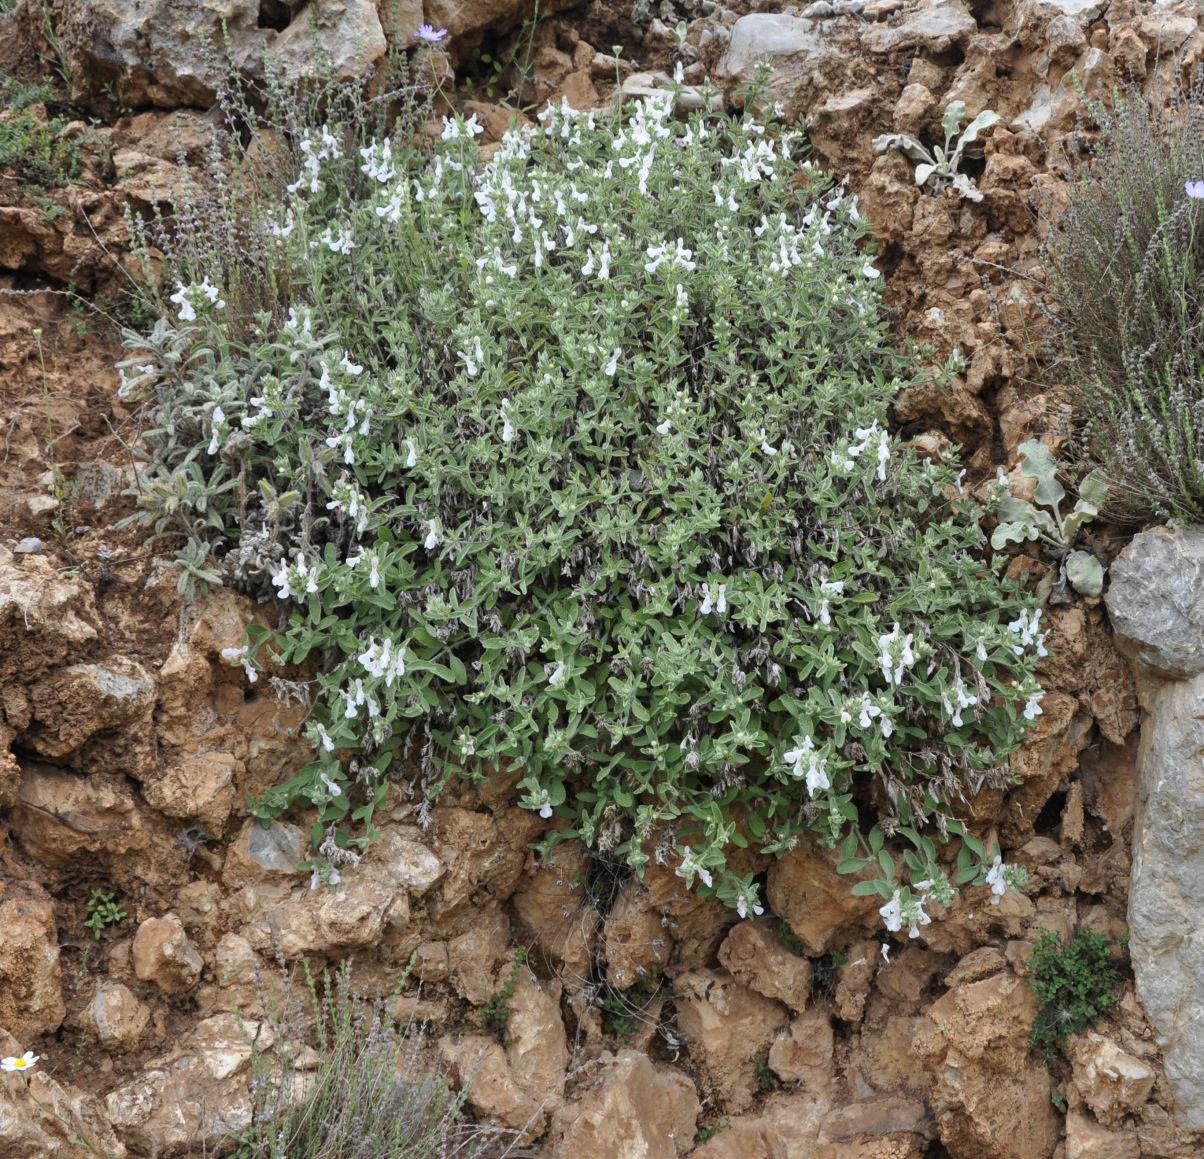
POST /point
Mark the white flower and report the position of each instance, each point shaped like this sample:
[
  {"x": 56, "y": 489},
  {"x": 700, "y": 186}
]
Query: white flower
[
  {"x": 411, "y": 453},
  {"x": 544, "y": 801},
  {"x": 557, "y": 675},
  {"x": 432, "y": 535},
  {"x": 507, "y": 425},
  {"x": 886, "y": 951},
  {"x": 1033, "y": 709},
  {"x": 767, "y": 449},
  {"x": 218, "y": 420},
  {"x": 333, "y": 877},
  {"x": 184, "y": 301},
  {"x": 324, "y": 738},
  {"x": 690, "y": 866},
  {"x": 714, "y": 598},
  {"x": 868, "y": 711},
  {"x": 895, "y": 655},
  {"x": 997, "y": 879},
  {"x": 613, "y": 364},
  {"x": 1027, "y": 627},
  {"x": 332, "y": 787},
  {"x": 868, "y": 271},
  {"x": 27, "y": 1061},
  {"x": 749, "y": 900},
  {"x": 898, "y": 912},
  {"x": 473, "y": 359},
  {"x": 664, "y": 428},
  {"x": 816, "y": 770},
  {"x": 892, "y": 914}
]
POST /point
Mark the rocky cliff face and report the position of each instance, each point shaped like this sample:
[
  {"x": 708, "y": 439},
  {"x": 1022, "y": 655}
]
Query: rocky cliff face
[{"x": 647, "y": 1022}]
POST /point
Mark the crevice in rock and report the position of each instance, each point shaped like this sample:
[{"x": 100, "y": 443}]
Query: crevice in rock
[{"x": 276, "y": 14}]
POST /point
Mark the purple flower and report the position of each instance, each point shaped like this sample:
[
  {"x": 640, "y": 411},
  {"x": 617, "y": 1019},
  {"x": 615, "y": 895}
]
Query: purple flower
[
  {"x": 1194, "y": 189},
  {"x": 430, "y": 34}
]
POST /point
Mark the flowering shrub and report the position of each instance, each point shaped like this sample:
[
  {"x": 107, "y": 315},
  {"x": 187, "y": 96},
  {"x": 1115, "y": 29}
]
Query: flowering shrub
[{"x": 574, "y": 463}]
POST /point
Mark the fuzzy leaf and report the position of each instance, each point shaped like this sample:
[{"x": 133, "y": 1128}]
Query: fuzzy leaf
[
  {"x": 952, "y": 119},
  {"x": 1085, "y": 573},
  {"x": 1037, "y": 462}
]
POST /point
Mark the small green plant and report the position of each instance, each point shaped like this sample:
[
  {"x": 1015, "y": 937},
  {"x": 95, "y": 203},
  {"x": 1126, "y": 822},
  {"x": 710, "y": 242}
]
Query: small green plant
[
  {"x": 616, "y": 1017},
  {"x": 1042, "y": 519},
  {"x": 941, "y": 165},
  {"x": 706, "y": 1133},
  {"x": 788, "y": 938},
  {"x": 767, "y": 1080},
  {"x": 495, "y": 1015},
  {"x": 1075, "y": 983},
  {"x": 104, "y": 912},
  {"x": 32, "y": 144}
]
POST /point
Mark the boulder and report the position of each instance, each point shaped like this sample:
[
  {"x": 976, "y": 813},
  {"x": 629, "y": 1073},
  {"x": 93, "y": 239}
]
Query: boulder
[
  {"x": 726, "y": 1026},
  {"x": 197, "y": 1097},
  {"x": 816, "y": 902},
  {"x": 116, "y": 1017},
  {"x": 1113, "y": 1082},
  {"x": 631, "y": 1109},
  {"x": 163, "y": 955},
  {"x": 60, "y": 815},
  {"x": 31, "y": 996},
  {"x": 49, "y": 1120},
  {"x": 1156, "y": 602},
  {"x": 989, "y": 1098},
  {"x": 139, "y": 53},
  {"x": 71, "y": 705},
  {"x": 45, "y": 617},
  {"x": 753, "y": 954}
]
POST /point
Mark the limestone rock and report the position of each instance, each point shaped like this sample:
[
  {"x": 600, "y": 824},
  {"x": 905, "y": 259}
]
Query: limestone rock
[
  {"x": 521, "y": 1083},
  {"x": 44, "y": 617},
  {"x": 116, "y": 1016},
  {"x": 31, "y": 998},
  {"x": 791, "y": 46},
  {"x": 163, "y": 955},
  {"x": 196, "y": 1097},
  {"x": 1086, "y": 1139},
  {"x": 934, "y": 29},
  {"x": 264, "y": 854},
  {"x": 200, "y": 788},
  {"x": 555, "y": 915},
  {"x": 50, "y": 1124},
  {"x": 73, "y": 704},
  {"x": 894, "y": 1115},
  {"x": 787, "y": 1125},
  {"x": 147, "y": 53},
  {"x": 726, "y": 1026},
  {"x": 754, "y": 955},
  {"x": 1156, "y": 601},
  {"x": 632, "y": 1110},
  {"x": 60, "y": 815},
  {"x": 816, "y": 902},
  {"x": 359, "y": 911},
  {"x": 988, "y": 1098},
  {"x": 1113, "y": 1082},
  {"x": 804, "y": 1053},
  {"x": 411, "y": 864},
  {"x": 481, "y": 856},
  {"x": 468, "y": 20},
  {"x": 474, "y": 956}
]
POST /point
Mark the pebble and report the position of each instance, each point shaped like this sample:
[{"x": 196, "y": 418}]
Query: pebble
[{"x": 30, "y": 545}]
